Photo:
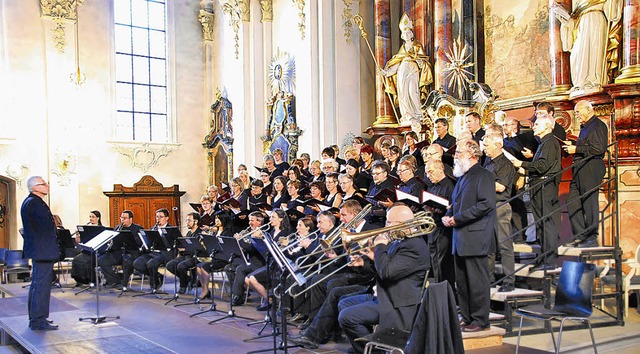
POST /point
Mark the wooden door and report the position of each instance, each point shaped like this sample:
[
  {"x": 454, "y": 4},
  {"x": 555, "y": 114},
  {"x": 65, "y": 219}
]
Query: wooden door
[
  {"x": 139, "y": 208},
  {"x": 5, "y": 224}
]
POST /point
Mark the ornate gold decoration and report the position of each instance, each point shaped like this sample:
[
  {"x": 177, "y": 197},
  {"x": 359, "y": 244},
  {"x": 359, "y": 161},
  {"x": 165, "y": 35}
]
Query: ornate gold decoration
[
  {"x": 60, "y": 11},
  {"x": 205, "y": 16},
  {"x": 267, "y": 10},
  {"x": 64, "y": 165},
  {"x": 231, "y": 8},
  {"x": 603, "y": 110},
  {"x": 347, "y": 22},
  {"x": 282, "y": 73},
  {"x": 245, "y": 10},
  {"x": 301, "y": 15},
  {"x": 77, "y": 77},
  {"x": 456, "y": 69},
  {"x": 144, "y": 156}
]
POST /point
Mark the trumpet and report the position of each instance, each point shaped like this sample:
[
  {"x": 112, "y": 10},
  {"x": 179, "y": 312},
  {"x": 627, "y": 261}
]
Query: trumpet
[
  {"x": 247, "y": 233},
  {"x": 313, "y": 236}
]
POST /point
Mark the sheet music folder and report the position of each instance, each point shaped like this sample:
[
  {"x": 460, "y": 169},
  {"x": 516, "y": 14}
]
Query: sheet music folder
[
  {"x": 87, "y": 232},
  {"x": 99, "y": 241},
  {"x": 125, "y": 240},
  {"x": 191, "y": 245}
]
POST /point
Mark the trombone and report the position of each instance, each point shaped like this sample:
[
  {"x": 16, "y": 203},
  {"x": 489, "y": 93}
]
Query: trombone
[
  {"x": 421, "y": 224},
  {"x": 247, "y": 233},
  {"x": 313, "y": 236}
]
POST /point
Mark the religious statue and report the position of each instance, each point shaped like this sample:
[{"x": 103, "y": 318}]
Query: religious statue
[
  {"x": 585, "y": 33},
  {"x": 408, "y": 75}
]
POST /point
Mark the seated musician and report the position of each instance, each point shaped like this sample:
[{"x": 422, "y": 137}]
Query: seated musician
[
  {"x": 83, "y": 265},
  {"x": 334, "y": 198},
  {"x": 256, "y": 220},
  {"x": 401, "y": 266},
  {"x": 148, "y": 263},
  {"x": 181, "y": 265},
  {"x": 280, "y": 229},
  {"x": 114, "y": 257},
  {"x": 279, "y": 196},
  {"x": 222, "y": 227},
  {"x": 330, "y": 276}
]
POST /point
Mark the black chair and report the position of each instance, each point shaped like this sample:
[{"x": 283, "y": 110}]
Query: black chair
[
  {"x": 14, "y": 264},
  {"x": 572, "y": 301},
  {"x": 3, "y": 254}
]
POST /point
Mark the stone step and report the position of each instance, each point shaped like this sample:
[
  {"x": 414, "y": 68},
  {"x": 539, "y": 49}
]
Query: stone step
[
  {"x": 483, "y": 339},
  {"x": 526, "y": 248},
  {"x": 517, "y": 294}
]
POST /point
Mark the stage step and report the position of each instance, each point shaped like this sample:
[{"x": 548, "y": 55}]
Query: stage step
[
  {"x": 526, "y": 248},
  {"x": 483, "y": 339},
  {"x": 513, "y": 300},
  {"x": 577, "y": 252}
]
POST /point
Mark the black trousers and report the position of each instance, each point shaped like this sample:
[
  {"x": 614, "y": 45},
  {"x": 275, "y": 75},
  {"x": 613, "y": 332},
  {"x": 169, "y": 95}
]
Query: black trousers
[
  {"x": 544, "y": 200},
  {"x": 583, "y": 205},
  {"x": 440, "y": 246},
  {"x": 83, "y": 268},
  {"x": 149, "y": 263},
  {"x": 181, "y": 267},
  {"x": 107, "y": 261},
  {"x": 241, "y": 272},
  {"x": 474, "y": 287},
  {"x": 40, "y": 292}
]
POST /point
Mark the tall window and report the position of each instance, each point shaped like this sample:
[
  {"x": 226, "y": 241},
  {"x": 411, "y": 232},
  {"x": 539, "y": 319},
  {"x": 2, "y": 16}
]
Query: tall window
[{"x": 141, "y": 70}]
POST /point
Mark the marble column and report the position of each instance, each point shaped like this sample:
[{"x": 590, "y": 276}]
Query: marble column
[
  {"x": 442, "y": 39},
  {"x": 382, "y": 18},
  {"x": 630, "y": 72},
  {"x": 559, "y": 60},
  {"x": 422, "y": 20}
]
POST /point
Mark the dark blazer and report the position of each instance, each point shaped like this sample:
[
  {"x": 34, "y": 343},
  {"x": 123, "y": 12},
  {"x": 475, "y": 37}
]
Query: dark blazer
[
  {"x": 401, "y": 267},
  {"x": 473, "y": 209},
  {"x": 39, "y": 233}
]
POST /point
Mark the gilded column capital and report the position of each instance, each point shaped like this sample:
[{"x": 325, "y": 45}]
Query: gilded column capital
[
  {"x": 205, "y": 16},
  {"x": 301, "y": 25},
  {"x": 267, "y": 10},
  {"x": 60, "y": 11},
  {"x": 245, "y": 11}
]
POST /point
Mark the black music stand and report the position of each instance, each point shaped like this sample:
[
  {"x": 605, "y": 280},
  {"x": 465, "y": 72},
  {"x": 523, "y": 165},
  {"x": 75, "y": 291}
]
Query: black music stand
[
  {"x": 152, "y": 241},
  {"x": 285, "y": 268},
  {"x": 125, "y": 241},
  {"x": 65, "y": 242},
  {"x": 95, "y": 245}
]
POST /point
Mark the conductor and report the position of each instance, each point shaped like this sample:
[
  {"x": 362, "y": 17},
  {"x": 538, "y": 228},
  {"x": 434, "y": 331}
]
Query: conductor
[{"x": 41, "y": 246}]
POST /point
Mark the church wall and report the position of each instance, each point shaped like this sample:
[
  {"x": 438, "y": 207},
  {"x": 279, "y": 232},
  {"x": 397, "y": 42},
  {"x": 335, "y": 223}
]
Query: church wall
[{"x": 50, "y": 126}]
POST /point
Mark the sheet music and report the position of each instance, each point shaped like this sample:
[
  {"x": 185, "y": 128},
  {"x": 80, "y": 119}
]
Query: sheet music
[
  {"x": 426, "y": 196},
  {"x": 101, "y": 239},
  {"x": 143, "y": 237},
  {"x": 402, "y": 195}
]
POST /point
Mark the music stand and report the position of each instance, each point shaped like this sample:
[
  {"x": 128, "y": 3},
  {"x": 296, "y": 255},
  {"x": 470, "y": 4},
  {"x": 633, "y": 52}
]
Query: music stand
[
  {"x": 125, "y": 241},
  {"x": 65, "y": 242},
  {"x": 285, "y": 267},
  {"x": 152, "y": 241},
  {"x": 94, "y": 245},
  {"x": 88, "y": 232}
]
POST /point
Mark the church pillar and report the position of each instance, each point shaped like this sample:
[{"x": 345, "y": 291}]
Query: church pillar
[
  {"x": 382, "y": 19},
  {"x": 442, "y": 38},
  {"x": 631, "y": 43},
  {"x": 422, "y": 24},
  {"x": 559, "y": 60},
  {"x": 205, "y": 17}
]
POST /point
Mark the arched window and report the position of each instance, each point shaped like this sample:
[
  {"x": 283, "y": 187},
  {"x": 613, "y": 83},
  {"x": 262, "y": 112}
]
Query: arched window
[{"x": 142, "y": 103}]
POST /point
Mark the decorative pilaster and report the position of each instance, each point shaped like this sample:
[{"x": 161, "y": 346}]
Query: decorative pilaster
[
  {"x": 267, "y": 10},
  {"x": 347, "y": 15},
  {"x": 245, "y": 10},
  {"x": 205, "y": 16},
  {"x": 558, "y": 59},
  {"x": 231, "y": 8},
  {"x": 422, "y": 16},
  {"x": 60, "y": 11},
  {"x": 382, "y": 19},
  {"x": 630, "y": 72},
  {"x": 443, "y": 34},
  {"x": 301, "y": 25}
]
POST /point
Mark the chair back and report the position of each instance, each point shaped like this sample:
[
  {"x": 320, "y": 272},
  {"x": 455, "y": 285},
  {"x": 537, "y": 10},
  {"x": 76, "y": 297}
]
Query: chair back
[
  {"x": 573, "y": 294},
  {"x": 3, "y": 255},
  {"x": 14, "y": 259}
]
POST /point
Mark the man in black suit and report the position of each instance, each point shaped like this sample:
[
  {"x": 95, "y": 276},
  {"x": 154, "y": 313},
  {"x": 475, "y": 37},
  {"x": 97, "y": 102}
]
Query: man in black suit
[
  {"x": 588, "y": 171},
  {"x": 472, "y": 122},
  {"x": 113, "y": 257},
  {"x": 381, "y": 181},
  {"x": 473, "y": 218},
  {"x": 41, "y": 246},
  {"x": 401, "y": 266},
  {"x": 544, "y": 178}
]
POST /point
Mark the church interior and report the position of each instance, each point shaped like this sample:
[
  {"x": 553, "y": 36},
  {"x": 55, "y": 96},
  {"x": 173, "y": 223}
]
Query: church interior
[{"x": 143, "y": 104}]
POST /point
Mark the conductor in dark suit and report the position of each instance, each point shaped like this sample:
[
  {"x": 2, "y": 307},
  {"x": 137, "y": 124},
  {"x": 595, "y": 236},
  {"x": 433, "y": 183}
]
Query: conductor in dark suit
[
  {"x": 41, "y": 246},
  {"x": 400, "y": 269},
  {"x": 473, "y": 218}
]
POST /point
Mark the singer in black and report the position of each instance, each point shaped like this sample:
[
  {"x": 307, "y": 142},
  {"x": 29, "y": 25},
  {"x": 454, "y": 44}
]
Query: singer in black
[
  {"x": 148, "y": 263},
  {"x": 114, "y": 257},
  {"x": 181, "y": 265},
  {"x": 41, "y": 246}
]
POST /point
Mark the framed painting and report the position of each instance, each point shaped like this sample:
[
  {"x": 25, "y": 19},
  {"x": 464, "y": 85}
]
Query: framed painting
[{"x": 516, "y": 37}]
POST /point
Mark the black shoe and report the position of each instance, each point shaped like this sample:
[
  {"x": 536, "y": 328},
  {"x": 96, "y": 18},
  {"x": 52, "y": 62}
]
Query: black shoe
[
  {"x": 305, "y": 342},
  {"x": 474, "y": 328},
  {"x": 182, "y": 291},
  {"x": 44, "y": 327},
  {"x": 505, "y": 288},
  {"x": 237, "y": 300},
  {"x": 588, "y": 243},
  {"x": 206, "y": 296},
  {"x": 263, "y": 306},
  {"x": 159, "y": 281}
]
